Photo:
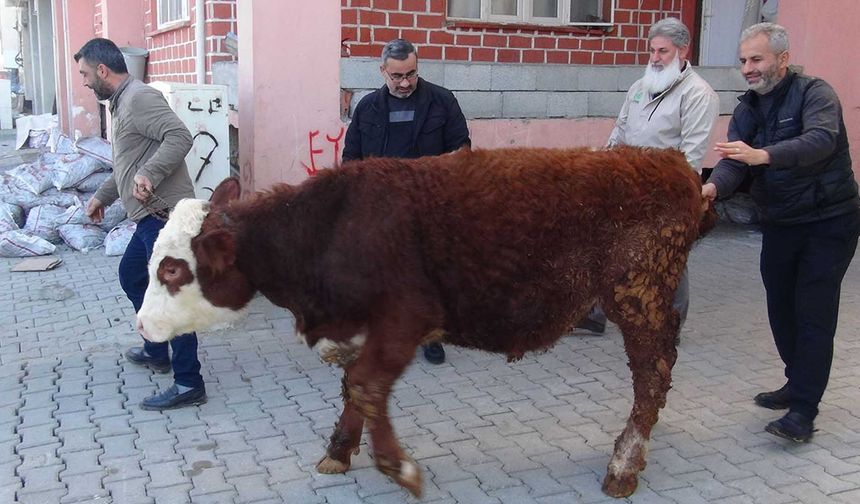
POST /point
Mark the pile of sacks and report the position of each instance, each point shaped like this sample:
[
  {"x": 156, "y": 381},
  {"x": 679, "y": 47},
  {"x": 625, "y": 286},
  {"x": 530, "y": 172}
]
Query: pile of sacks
[{"x": 42, "y": 204}]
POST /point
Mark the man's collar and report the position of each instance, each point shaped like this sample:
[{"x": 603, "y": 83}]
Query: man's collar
[{"x": 114, "y": 98}]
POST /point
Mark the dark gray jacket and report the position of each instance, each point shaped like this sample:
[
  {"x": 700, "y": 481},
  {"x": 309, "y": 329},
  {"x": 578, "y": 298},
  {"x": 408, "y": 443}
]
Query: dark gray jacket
[
  {"x": 809, "y": 177},
  {"x": 440, "y": 126}
]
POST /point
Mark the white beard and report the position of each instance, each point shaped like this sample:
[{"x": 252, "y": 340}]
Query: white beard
[{"x": 658, "y": 79}]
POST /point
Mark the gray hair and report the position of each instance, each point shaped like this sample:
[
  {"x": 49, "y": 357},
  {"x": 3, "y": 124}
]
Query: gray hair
[
  {"x": 671, "y": 28},
  {"x": 777, "y": 37},
  {"x": 399, "y": 49}
]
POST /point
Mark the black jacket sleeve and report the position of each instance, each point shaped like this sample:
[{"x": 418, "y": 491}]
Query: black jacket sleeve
[
  {"x": 821, "y": 114},
  {"x": 456, "y": 130},
  {"x": 352, "y": 141}
]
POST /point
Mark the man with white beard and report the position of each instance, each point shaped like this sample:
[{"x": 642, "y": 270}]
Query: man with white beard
[{"x": 670, "y": 106}]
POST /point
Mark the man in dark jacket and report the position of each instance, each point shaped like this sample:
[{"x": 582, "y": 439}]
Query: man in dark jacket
[
  {"x": 408, "y": 117},
  {"x": 787, "y": 132}
]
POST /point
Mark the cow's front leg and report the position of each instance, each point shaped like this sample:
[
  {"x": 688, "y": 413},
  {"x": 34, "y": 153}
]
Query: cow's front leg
[
  {"x": 346, "y": 437},
  {"x": 651, "y": 368},
  {"x": 643, "y": 310}
]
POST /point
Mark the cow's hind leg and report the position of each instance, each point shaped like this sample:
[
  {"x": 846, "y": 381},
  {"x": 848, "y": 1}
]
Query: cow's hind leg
[
  {"x": 642, "y": 307},
  {"x": 370, "y": 384},
  {"x": 346, "y": 437}
]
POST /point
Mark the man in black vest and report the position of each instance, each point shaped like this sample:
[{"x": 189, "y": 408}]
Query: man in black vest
[
  {"x": 787, "y": 133},
  {"x": 408, "y": 117}
]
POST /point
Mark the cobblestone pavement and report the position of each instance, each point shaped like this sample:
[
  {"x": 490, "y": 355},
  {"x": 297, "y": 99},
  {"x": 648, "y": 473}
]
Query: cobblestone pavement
[{"x": 484, "y": 431}]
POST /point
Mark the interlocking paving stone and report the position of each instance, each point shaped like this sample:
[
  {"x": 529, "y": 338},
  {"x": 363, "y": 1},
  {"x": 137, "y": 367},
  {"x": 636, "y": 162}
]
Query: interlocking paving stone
[
  {"x": 40, "y": 497},
  {"x": 178, "y": 494},
  {"x": 120, "y": 446},
  {"x": 208, "y": 479},
  {"x": 80, "y": 462},
  {"x": 253, "y": 488},
  {"x": 86, "y": 487},
  {"x": 41, "y": 478},
  {"x": 122, "y": 469},
  {"x": 8, "y": 490}
]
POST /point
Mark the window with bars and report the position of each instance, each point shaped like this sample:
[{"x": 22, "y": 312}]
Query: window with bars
[
  {"x": 550, "y": 12},
  {"x": 172, "y": 11}
]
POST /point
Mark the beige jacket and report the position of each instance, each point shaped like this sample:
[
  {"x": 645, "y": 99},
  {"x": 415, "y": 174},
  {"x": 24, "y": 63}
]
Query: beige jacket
[
  {"x": 681, "y": 117},
  {"x": 148, "y": 139}
]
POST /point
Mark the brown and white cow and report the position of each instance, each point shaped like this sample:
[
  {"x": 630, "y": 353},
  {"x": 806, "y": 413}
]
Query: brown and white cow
[{"x": 498, "y": 250}]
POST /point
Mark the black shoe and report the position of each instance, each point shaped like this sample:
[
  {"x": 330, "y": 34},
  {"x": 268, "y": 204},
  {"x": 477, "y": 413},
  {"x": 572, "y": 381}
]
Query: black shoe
[
  {"x": 591, "y": 326},
  {"x": 171, "y": 398},
  {"x": 776, "y": 400},
  {"x": 434, "y": 353},
  {"x": 137, "y": 355},
  {"x": 793, "y": 426}
]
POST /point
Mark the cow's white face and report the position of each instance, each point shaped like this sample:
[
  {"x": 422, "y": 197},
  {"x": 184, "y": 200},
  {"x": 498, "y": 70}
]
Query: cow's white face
[{"x": 174, "y": 303}]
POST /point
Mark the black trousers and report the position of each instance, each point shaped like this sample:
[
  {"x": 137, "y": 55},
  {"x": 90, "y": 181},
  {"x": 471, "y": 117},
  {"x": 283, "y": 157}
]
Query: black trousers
[{"x": 802, "y": 267}]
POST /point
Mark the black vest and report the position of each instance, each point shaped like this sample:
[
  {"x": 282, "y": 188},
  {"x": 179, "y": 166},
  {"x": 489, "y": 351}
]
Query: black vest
[{"x": 794, "y": 194}]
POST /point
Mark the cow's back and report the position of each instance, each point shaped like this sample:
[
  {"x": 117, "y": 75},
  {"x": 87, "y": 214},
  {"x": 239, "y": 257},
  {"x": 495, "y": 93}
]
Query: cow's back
[{"x": 515, "y": 239}]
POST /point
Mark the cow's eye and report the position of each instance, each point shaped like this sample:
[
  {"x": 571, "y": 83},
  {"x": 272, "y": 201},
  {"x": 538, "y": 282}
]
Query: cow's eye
[
  {"x": 174, "y": 273},
  {"x": 171, "y": 273}
]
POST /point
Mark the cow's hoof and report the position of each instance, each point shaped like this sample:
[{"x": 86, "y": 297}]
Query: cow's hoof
[
  {"x": 620, "y": 486},
  {"x": 329, "y": 465},
  {"x": 410, "y": 477}
]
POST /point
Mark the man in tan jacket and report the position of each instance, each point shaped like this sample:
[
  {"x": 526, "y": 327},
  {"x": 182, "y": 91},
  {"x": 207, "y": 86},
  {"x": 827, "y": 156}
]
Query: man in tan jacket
[{"x": 149, "y": 175}]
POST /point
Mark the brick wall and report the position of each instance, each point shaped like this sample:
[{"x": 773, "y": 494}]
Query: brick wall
[
  {"x": 368, "y": 24},
  {"x": 172, "y": 51}
]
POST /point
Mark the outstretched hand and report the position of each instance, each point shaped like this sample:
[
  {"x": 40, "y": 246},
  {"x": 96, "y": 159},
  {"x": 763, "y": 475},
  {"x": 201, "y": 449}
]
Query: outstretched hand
[
  {"x": 740, "y": 151},
  {"x": 95, "y": 210}
]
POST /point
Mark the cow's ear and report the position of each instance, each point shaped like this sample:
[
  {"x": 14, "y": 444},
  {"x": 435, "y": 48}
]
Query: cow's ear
[
  {"x": 214, "y": 249},
  {"x": 227, "y": 191}
]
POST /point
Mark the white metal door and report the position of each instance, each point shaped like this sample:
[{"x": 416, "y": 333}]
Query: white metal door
[
  {"x": 721, "y": 29},
  {"x": 203, "y": 109}
]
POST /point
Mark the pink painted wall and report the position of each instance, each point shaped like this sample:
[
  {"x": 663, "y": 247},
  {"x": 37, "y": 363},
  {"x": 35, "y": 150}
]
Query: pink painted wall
[
  {"x": 590, "y": 132},
  {"x": 76, "y": 105},
  {"x": 823, "y": 39},
  {"x": 289, "y": 90},
  {"x": 122, "y": 22}
]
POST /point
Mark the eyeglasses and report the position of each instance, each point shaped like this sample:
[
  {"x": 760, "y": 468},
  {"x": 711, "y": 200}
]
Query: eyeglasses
[{"x": 398, "y": 78}]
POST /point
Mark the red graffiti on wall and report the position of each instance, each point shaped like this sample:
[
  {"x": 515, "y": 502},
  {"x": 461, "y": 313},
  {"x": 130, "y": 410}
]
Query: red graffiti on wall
[{"x": 314, "y": 151}]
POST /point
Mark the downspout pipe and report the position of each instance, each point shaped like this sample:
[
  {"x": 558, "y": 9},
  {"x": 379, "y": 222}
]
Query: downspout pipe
[
  {"x": 69, "y": 75},
  {"x": 200, "y": 35}
]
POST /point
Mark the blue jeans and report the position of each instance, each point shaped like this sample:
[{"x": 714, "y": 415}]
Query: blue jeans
[
  {"x": 802, "y": 267},
  {"x": 134, "y": 277}
]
